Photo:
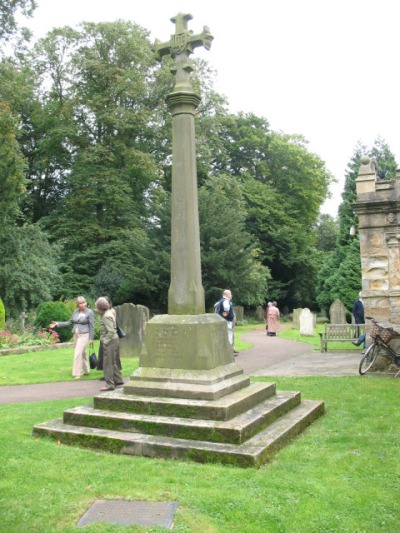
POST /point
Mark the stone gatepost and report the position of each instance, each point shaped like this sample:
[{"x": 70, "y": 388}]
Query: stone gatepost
[{"x": 378, "y": 210}]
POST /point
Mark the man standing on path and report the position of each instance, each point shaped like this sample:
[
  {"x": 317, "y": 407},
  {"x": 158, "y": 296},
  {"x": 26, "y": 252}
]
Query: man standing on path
[
  {"x": 224, "y": 308},
  {"x": 358, "y": 313}
]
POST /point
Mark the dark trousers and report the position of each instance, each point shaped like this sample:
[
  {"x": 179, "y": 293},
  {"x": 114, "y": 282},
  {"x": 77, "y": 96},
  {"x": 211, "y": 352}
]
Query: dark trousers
[
  {"x": 112, "y": 373},
  {"x": 100, "y": 358}
]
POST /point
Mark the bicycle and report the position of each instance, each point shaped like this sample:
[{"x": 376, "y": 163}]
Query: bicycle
[{"x": 381, "y": 336}]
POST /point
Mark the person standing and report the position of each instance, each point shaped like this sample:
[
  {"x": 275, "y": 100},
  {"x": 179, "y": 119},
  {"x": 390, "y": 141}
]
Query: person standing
[
  {"x": 100, "y": 359},
  {"x": 110, "y": 341},
  {"x": 224, "y": 308},
  {"x": 83, "y": 331},
  {"x": 358, "y": 314},
  {"x": 273, "y": 320},
  {"x": 266, "y": 315}
]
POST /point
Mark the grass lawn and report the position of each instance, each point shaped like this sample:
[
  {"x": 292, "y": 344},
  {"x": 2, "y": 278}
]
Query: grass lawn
[
  {"x": 341, "y": 475},
  {"x": 48, "y": 366}
]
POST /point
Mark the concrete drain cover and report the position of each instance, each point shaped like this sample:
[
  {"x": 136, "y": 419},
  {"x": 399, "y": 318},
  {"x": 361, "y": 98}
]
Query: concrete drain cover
[{"x": 130, "y": 513}]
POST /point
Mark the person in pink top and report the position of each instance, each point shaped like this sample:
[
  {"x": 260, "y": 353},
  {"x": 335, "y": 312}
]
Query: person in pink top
[{"x": 273, "y": 319}]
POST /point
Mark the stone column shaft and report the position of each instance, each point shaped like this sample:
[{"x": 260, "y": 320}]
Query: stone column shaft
[{"x": 186, "y": 293}]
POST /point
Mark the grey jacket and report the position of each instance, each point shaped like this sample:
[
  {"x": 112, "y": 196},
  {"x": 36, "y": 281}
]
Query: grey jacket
[{"x": 83, "y": 324}]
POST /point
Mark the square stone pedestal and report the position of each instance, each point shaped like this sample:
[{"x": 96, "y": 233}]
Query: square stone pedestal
[{"x": 187, "y": 356}]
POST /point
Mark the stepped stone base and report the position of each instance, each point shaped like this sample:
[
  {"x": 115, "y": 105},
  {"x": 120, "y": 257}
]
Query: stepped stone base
[
  {"x": 244, "y": 428},
  {"x": 188, "y": 400}
]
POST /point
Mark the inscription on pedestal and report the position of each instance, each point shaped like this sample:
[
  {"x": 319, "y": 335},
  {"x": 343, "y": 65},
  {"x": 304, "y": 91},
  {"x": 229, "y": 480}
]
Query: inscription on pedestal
[{"x": 166, "y": 344}]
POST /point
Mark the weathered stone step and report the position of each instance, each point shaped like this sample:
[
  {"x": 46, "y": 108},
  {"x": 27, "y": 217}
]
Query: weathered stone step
[
  {"x": 224, "y": 408},
  {"x": 237, "y": 430},
  {"x": 253, "y": 452},
  {"x": 176, "y": 389}
]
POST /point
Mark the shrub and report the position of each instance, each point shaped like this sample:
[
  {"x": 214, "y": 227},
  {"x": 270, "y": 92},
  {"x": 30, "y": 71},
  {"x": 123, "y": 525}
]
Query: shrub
[
  {"x": 58, "y": 311},
  {"x": 2, "y": 315}
]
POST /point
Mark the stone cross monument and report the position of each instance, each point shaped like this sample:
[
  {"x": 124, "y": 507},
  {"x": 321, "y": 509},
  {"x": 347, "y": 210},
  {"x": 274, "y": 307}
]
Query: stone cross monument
[
  {"x": 186, "y": 353},
  {"x": 188, "y": 399},
  {"x": 186, "y": 294}
]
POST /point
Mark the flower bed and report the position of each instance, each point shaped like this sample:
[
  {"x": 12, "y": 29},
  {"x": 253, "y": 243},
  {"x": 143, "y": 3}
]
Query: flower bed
[{"x": 27, "y": 337}]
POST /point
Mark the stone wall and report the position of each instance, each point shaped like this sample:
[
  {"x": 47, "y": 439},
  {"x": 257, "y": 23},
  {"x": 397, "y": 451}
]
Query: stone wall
[{"x": 378, "y": 210}]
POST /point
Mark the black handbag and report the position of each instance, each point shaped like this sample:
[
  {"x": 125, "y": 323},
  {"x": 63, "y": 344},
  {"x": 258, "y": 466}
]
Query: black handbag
[
  {"x": 93, "y": 360},
  {"x": 120, "y": 332}
]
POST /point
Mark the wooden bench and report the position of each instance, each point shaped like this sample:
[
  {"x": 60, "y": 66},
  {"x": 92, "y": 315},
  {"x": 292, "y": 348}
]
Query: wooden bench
[{"x": 340, "y": 333}]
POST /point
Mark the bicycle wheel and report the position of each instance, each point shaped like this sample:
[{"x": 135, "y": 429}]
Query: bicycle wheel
[{"x": 369, "y": 358}]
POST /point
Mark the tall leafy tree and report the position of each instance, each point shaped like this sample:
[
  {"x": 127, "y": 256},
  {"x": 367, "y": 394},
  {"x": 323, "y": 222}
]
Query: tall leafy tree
[
  {"x": 12, "y": 180},
  {"x": 101, "y": 79},
  {"x": 28, "y": 270},
  {"x": 327, "y": 231},
  {"x": 8, "y": 11}
]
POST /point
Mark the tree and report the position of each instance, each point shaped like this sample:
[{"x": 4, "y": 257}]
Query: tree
[
  {"x": 8, "y": 10},
  {"x": 12, "y": 182},
  {"x": 385, "y": 159},
  {"x": 28, "y": 271},
  {"x": 230, "y": 256},
  {"x": 327, "y": 232},
  {"x": 282, "y": 211},
  {"x": 101, "y": 80}
]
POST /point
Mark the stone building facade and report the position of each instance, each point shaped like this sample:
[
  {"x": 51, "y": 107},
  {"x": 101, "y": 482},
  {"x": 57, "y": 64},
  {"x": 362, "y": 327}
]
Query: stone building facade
[{"x": 378, "y": 210}]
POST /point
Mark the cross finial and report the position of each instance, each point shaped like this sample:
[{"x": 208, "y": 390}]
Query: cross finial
[
  {"x": 181, "y": 21},
  {"x": 182, "y": 41}
]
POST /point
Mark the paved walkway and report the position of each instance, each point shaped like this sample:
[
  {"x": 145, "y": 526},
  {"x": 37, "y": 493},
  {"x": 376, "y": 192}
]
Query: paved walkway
[
  {"x": 273, "y": 356},
  {"x": 269, "y": 356}
]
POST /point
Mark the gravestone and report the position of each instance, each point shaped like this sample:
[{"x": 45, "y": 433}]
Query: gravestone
[
  {"x": 296, "y": 317},
  {"x": 337, "y": 313},
  {"x": 132, "y": 319},
  {"x": 260, "y": 314},
  {"x": 306, "y": 323},
  {"x": 239, "y": 312}
]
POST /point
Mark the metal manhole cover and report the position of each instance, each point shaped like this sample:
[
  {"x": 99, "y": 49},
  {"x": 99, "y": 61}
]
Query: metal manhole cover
[{"x": 130, "y": 513}]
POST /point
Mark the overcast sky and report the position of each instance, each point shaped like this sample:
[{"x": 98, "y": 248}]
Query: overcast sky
[{"x": 326, "y": 69}]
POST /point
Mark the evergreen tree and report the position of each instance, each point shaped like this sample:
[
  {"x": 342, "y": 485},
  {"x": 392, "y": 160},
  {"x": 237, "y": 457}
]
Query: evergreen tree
[{"x": 230, "y": 256}]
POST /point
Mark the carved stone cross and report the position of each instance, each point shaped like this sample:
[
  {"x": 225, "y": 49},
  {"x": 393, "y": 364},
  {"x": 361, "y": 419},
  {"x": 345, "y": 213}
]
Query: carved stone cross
[{"x": 180, "y": 46}]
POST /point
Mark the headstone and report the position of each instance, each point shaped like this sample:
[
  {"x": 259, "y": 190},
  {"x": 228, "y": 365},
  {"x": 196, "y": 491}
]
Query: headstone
[
  {"x": 260, "y": 314},
  {"x": 285, "y": 311},
  {"x": 132, "y": 319},
  {"x": 296, "y": 317},
  {"x": 306, "y": 323},
  {"x": 239, "y": 312},
  {"x": 337, "y": 313}
]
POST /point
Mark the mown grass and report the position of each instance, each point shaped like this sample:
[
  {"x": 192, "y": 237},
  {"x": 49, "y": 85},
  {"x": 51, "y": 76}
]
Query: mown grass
[
  {"x": 49, "y": 366},
  {"x": 342, "y": 474}
]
